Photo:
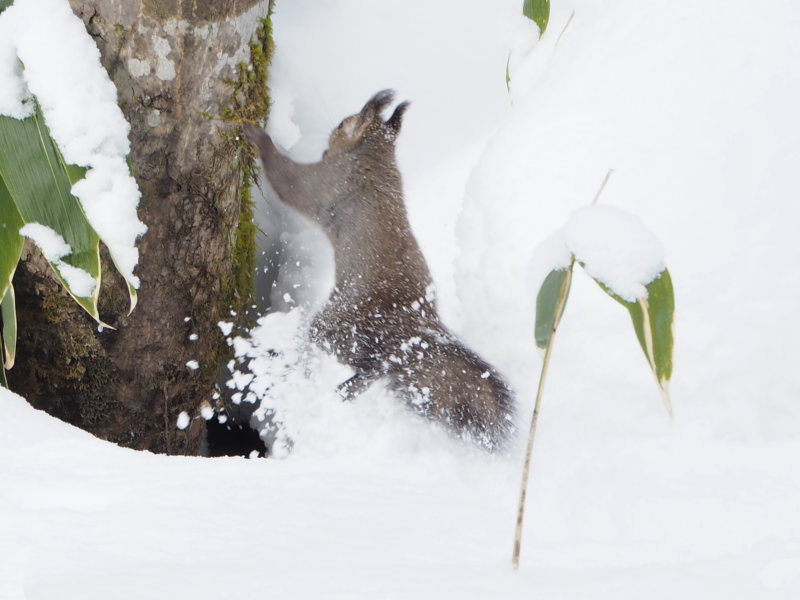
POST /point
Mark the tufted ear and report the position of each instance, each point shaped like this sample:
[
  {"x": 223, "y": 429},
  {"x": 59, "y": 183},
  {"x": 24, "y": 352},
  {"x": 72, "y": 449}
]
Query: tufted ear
[
  {"x": 377, "y": 103},
  {"x": 396, "y": 120}
]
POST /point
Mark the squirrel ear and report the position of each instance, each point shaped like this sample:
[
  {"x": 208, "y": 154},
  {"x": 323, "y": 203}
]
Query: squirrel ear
[
  {"x": 396, "y": 120},
  {"x": 377, "y": 103}
]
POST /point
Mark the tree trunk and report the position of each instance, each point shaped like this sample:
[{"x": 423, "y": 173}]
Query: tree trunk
[{"x": 185, "y": 72}]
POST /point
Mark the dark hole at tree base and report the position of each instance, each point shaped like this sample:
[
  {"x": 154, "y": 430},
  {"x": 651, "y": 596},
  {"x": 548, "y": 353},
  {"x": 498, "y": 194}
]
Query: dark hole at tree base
[{"x": 232, "y": 439}]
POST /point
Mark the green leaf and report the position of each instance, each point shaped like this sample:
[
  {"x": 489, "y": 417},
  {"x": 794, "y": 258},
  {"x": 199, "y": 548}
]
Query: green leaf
[
  {"x": 75, "y": 174},
  {"x": 550, "y": 302},
  {"x": 652, "y": 320},
  {"x": 9, "y": 317},
  {"x": 39, "y": 183},
  {"x": 4, "y": 4},
  {"x": 10, "y": 240},
  {"x": 537, "y": 11}
]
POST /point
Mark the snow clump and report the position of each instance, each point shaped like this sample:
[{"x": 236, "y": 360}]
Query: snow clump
[
  {"x": 612, "y": 245},
  {"x": 615, "y": 248},
  {"x": 54, "y": 248}
]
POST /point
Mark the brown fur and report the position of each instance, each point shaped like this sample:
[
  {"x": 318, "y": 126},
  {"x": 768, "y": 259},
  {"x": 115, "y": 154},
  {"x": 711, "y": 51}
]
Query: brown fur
[{"x": 381, "y": 318}]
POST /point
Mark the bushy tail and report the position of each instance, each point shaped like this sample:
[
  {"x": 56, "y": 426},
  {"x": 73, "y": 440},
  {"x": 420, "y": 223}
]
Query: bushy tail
[{"x": 445, "y": 381}]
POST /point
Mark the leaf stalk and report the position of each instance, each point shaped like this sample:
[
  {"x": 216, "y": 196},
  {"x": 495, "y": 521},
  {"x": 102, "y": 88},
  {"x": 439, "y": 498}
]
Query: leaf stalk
[{"x": 562, "y": 300}]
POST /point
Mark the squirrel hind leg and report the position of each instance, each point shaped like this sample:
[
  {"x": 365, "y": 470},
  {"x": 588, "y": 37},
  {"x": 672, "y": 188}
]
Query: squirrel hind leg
[{"x": 355, "y": 386}]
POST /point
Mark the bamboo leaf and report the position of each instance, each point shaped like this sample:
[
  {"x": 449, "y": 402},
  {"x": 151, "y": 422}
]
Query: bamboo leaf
[
  {"x": 537, "y": 11},
  {"x": 658, "y": 312},
  {"x": 10, "y": 240},
  {"x": 39, "y": 184},
  {"x": 9, "y": 317},
  {"x": 652, "y": 321},
  {"x": 548, "y": 305},
  {"x": 75, "y": 174}
]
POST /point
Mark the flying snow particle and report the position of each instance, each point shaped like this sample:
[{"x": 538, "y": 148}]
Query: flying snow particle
[
  {"x": 183, "y": 420},
  {"x": 206, "y": 411}
]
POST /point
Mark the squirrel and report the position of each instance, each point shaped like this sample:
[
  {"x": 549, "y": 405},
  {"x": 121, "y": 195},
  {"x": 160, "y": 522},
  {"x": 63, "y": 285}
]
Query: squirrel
[{"x": 381, "y": 317}]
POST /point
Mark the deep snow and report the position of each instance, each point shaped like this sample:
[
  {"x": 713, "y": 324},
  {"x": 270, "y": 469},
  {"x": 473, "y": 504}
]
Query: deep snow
[{"x": 694, "y": 106}]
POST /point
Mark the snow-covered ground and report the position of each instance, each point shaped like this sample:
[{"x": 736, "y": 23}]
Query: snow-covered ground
[{"x": 694, "y": 107}]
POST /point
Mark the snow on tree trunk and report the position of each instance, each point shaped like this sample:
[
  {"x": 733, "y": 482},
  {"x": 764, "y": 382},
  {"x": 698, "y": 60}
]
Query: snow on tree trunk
[{"x": 172, "y": 64}]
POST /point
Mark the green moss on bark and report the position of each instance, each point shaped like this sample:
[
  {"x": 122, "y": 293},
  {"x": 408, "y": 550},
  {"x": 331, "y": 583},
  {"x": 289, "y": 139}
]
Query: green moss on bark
[
  {"x": 248, "y": 102},
  {"x": 73, "y": 355}
]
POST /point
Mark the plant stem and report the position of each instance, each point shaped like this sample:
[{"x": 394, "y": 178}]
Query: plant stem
[
  {"x": 602, "y": 186},
  {"x": 565, "y": 28},
  {"x": 562, "y": 299}
]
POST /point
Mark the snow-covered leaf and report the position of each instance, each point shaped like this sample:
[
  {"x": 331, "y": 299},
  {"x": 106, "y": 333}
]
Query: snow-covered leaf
[
  {"x": 75, "y": 174},
  {"x": 9, "y": 317},
  {"x": 39, "y": 183},
  {"x": 550, "y": 302},
  {"x": 86, "y": 124},
  {"x": 652, "y": 320},
  {"x": 614, "y": 247},
  {"x": 538, "y": 11}
]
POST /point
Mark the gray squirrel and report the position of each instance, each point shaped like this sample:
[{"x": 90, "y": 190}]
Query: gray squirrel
[{"x": 381, "y": 317}]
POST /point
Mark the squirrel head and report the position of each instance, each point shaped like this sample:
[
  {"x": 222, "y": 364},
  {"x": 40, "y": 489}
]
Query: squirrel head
[{"x": 368, "y": 124}]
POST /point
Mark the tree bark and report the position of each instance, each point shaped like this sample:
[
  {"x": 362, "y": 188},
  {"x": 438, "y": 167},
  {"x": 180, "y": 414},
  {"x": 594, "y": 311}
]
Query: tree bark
[{"x": 176, "y": 66}]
